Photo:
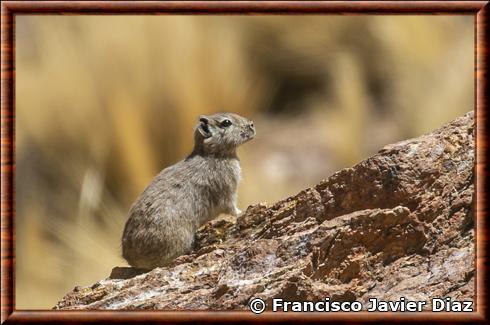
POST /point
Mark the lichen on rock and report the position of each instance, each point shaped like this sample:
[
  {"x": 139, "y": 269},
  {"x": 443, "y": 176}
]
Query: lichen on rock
[{"x": 399, "y": 224}]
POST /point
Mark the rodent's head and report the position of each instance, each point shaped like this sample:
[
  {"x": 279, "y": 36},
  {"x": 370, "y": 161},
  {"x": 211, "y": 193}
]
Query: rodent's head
[{"x": 222, "y": 133}]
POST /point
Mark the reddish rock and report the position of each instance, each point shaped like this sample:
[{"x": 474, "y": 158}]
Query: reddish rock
[{"x": 399, "y": 224}]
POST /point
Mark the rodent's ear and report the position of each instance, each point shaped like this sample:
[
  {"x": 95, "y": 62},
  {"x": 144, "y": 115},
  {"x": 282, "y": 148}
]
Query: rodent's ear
[
  {"x": 203, "y": 119},
  {"x": 203, "y": 129}
]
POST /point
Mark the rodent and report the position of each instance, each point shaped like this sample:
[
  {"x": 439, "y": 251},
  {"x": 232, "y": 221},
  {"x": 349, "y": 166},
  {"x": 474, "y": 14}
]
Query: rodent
[{"x": 162, "y": 222}]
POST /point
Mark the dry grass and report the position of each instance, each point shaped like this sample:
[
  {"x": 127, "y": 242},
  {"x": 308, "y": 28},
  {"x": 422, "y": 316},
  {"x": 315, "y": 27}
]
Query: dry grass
[{"x": 103, "y": 103}]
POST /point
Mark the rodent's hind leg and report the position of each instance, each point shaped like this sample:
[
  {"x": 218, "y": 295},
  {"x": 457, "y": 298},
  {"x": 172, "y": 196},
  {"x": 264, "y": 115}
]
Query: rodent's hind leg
[
  {"x": 193, "y": 244},
  {"x": 122, "y": 272}
]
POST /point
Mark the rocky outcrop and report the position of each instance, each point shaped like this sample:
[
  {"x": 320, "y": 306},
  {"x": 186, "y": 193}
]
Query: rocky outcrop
[{"x": 399, "y": 224}]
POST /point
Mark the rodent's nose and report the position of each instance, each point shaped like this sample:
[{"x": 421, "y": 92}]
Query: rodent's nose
[{"x": 252, "y": 127}]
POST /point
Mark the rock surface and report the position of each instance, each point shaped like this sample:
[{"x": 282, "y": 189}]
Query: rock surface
[{"x": 399, "y": 224}]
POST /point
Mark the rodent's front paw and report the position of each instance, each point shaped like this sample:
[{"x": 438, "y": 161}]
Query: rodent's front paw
[{"x": 237, "y": 212}]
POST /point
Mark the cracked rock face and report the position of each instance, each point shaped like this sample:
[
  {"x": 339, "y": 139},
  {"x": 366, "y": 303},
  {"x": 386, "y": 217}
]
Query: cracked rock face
[{"x": 399, "y": 224}]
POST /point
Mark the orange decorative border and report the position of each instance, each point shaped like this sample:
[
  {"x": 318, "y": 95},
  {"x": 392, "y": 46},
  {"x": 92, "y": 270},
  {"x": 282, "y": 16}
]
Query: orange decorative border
[{"x": 9, "y": 9}]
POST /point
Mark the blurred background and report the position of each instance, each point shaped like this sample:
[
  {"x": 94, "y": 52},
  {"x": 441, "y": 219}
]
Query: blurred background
[{"x": 103, "y": 103}]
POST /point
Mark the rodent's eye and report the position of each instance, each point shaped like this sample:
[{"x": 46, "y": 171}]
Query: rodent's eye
[{"x": 225, "y": 123}]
